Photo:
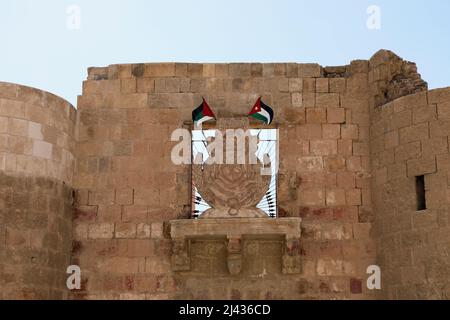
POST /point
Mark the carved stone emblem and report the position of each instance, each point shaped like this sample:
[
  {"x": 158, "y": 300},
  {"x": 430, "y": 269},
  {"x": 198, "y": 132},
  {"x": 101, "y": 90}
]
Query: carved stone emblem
[{"x": 232, "y": 190}]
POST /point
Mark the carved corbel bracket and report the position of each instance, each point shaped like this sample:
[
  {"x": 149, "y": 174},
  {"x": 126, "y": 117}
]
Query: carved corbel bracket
[
  {"x": 181, "y": 260},
  {"x": 291, "y": 261},
  {"x": 234, "y": 258}
]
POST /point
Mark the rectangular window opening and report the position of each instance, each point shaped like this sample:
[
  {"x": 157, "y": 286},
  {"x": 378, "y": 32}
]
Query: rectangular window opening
[{"x": 420, "y": 193}]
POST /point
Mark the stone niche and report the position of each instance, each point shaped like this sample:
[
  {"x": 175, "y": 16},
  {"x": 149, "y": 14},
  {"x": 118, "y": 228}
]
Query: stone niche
[{"x": 233, "y": 192}]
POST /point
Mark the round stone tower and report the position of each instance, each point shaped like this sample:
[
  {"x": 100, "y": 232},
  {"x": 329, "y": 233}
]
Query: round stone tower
[{"x": 36, "y": 165}]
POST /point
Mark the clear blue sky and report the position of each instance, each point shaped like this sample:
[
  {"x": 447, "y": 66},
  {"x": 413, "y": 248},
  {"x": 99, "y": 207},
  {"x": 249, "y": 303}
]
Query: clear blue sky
[{"x": 38, "y": 49}]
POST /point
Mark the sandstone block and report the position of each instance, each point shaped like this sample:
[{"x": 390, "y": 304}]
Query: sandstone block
[
  {"x": 239, "y": 70},
  {"x": 414, "y": 133},
  {"x": 353, "y": 197},
  {"x": 309, "y": 85},
  {"x": 424, "y": 114},
  {"x": 157, "y": 230},
  {"x": 109, "y": 213},
  {"x": 18, "y": 127},
  {"x": 335, "y": 197},
  {"x": 337, "y": 85},
  {"x": 171, "y": 85},
  {"x": 345, "y": 147},
  {"x": 361, "y": 231},
  {"x": 360, "y": 149},
  {"x": 291, "y": 70},
  {"x": 143, "y": 231},
  {"x": 380, "y": 156},
  {"x": 316, "y": 116},
  {"x": 309, "y": 100},
  {"x": 293, "y": 115},
  {"x": 312, "y": 197},
  {"x": 336, "y": 231},
  {"x": 31, "y": 96},
  {"x": 297, "y": 99},
  {"x": 295, "y": 85},
  {"x": 310, "y": 164},
  {"x": 358, "y": 66},
  {"x": 101, "y": 231},
  {"x": 209, "y": 70},
  {"x": 443, "y": 111},
  {"x": 322, "y": 85},
  {"x": 125, "y": 231},
  {"x": 181, "y": 69},
  {"x": 349, "y": 131},
  {"x": 407, "y": 151},
  {"x": 101, "y": 87},
  {"x": 2, "y": 165},
  {"x": 145, "y": 85},
  {"x": 42, "y": 149},
  {"x": 323, "y": 147},
  {"x": 159, "y": 70},
  {"x": 331, "y": 131},
  {"x": 283, "y": 85},
  {"x": 357, "y": 83},
  {"x": 256, "y": 69},
  {"x": 135, "y": 213},
  {"x": 391, "y": 139},
  {"x": 121, "y": 265},
  {"x": 410, "y": 101},
  {"x": 274, "y": 69},
  {"x": 327, "y": 100},
  {"x": 336, "y": 115},
  {"x": 3, "y": 125},
  {"x": 124, "y": 196},
  {"x": 309, "y": 70},
  {"x": 381, "y": 176},
  {"x": 8, "y": 90},
  {"x": 425, "y": 165},
  {"x": 122, "y": 148},
  {"x": 440, "y": 128},
  {"x": 438, "y": 96},
  {"x": 361, "y": 118},
  {"x": 328, "y": 267},
  {"x": 309, "y": 131},
  {"x": 396, "y": 171},
  {"x": 35, "y": 131},
  {"x": 148, "y": 196},
  {"x": 335, "y": 163},
  {"x": 354, "y": 164},
  {"x": 345, "y": 180},
  {"x": 437, "y": 145},
  {"x": 101, "y": 197},
  {"x": 16, "y": 109},
  {"x": 199, "y": 85}
]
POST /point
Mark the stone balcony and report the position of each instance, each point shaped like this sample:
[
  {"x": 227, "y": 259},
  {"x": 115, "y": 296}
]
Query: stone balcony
[{"x": 234, "y": 231}]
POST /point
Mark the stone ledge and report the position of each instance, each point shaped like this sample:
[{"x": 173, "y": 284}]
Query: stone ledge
[
  {"x": 234, "y": 230},
  {"x": 289, "y": 227}
]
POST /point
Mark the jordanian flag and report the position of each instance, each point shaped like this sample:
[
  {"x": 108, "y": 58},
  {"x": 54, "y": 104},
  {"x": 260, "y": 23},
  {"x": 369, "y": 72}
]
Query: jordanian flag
[
  {"x": 202, "y": 113},
  {"x": 262, "y": 112}
]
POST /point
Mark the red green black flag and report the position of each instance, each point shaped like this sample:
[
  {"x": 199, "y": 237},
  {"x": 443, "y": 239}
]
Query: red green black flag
[
  {"x": 202, "y": 113},
  {"x": 262, "y": 112}
]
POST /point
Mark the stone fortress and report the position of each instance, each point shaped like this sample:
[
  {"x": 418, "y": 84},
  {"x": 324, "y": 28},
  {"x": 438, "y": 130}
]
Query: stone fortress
[{"x": 364, "y": 163}]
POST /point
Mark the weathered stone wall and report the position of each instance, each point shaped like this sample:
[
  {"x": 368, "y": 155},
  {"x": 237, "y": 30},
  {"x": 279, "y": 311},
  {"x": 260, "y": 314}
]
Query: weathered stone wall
[
  {"x": 391, "y": 77},
  {"x": 409, "y": 138},
  {"x": 347, "y": 135},
  {"x": 127, "y": 185},
  {"x": 36, "y": 168}
]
